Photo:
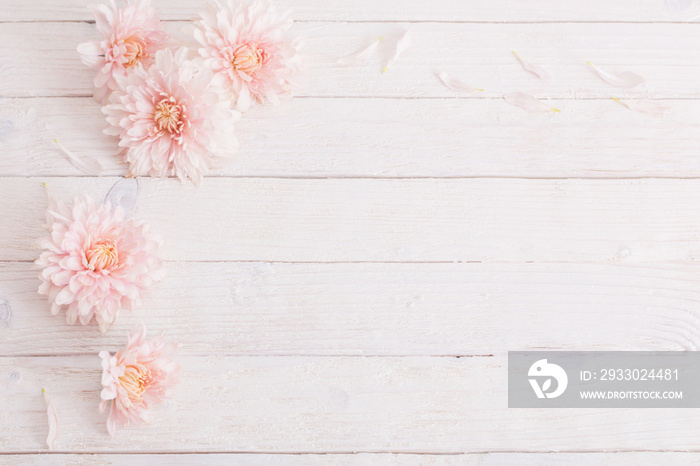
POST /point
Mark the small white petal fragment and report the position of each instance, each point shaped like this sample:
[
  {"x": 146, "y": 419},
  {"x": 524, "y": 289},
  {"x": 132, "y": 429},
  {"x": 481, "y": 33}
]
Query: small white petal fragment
[
  {"x": 531, "y": 68},
  {"x": 53, "y": 422},
  {"x": 455, "y": 84},
  {"x": 403, "y": 43},
  {"x": 651, "y": 107},
  {"x": 88, "y": 165},
  {"x": 625, "y": 80},
  {"x": 361, "y": 56},
  {"x": 124, "y": 193},
  {"x": 527, "y": 102}
]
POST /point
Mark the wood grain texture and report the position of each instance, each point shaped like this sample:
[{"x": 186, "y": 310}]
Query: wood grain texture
[
  {"x": 387, "y": 138},
  {"x": 379, "y": 309},
  {"x": 361, "y": 459},
  {"x": 312, "y": 404},
  {"x": 367, "y": 10},
  {"x": 395, "y": 220},
  {"x": 42, "y": 61}
]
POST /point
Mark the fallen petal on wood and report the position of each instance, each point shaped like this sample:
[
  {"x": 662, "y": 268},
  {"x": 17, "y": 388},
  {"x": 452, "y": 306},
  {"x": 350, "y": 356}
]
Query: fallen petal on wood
[
  {"x": 527, "y": 102},
  {"x": 531, "y": 68},
  {"x": 626, "y": 79},
  {"x": 652, "y": 107},
  {"x": 361, "y": 56},
  {"x": 124, "y": 193},
  {"x": 53, "y": 422},
  {"x": 85, "y": 164},
  {"x": 455, "y": 84},
  {"x": 403, "y": 43}
]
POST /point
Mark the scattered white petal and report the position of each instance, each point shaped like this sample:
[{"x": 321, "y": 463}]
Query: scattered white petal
[
  {"x": 53, "y": 422},
  {"x": 401, "y": 45},
  {"x": 123, "y": 193},
  {"x": 626, "y": 79},
  {"x": 527, "y": 102},
  {"x": 86, "y": 164},
  {"x": 532, "y": 68},
  {"x": 455, "y": 84},
  {"x": 652, "y": 107},
  {"x": 684, "y": 10},
  {"x": 361, "y": 56}
]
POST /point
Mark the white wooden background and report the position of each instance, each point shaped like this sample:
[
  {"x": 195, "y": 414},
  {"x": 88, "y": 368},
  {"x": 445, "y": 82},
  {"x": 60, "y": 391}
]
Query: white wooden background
[{"x": 347, "y": 289}]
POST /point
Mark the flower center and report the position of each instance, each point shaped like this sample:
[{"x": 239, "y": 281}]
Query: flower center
[
  {"x": 134, "y": 51},
  {"x": 248, "y": 58},
  {"x": 103, "y": 255},
  {"x": 168, "y": 115},
  {"x": 135, "y": 381}
]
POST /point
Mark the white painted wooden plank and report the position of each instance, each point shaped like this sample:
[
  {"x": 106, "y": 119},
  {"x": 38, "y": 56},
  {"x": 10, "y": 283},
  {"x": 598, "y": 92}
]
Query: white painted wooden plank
[
  {"x": 360, "y": 459},
  {"x": 413, "y": 10},
  {"x": 379, "y": 309},
  {"x": 332, "y": 404},
  {"x": 388, "y": 138},
  {"x": 330, "y": 220},
  {"x": 42, "y": 61}
]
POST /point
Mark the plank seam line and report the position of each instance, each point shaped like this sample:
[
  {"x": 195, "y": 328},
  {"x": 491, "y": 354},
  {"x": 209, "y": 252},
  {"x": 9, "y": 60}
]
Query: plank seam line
[
  {"x": 393, "y": 21},
  {"x": 374, "y": 178},
  {"x": 387, "y": 97},
  {"x": 271, "y": 355},
  {"x": 272, "y": 262},
  {"x": 349, "y": 452}
]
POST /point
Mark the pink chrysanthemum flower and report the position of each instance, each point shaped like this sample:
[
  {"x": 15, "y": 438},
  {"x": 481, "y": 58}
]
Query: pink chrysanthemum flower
[
  {"x": 96, "y": 262},
  {"x": 245, "y": 44},
  {"x": 130, "y": 36},
  {"x": 136, "y": 379},
  {"x": 170, "y": 119}
]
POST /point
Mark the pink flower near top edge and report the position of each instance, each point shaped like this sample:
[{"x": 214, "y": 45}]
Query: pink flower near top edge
[
  {"x": 246, "y": 46},
  {"x": 130, "y": 36},
  {"x": 95, "y": 261},
  {"x": 170, "y": 120},
  {"x": 136, "y": 379}
]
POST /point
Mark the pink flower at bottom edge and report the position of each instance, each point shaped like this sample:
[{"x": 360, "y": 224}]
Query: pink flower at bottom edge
[{"x": 136, "y": 379}]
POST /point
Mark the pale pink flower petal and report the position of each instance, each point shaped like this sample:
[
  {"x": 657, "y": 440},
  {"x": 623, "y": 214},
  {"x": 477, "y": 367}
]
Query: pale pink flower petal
[
  {"x": 626, "y": 79},
  {"x": 245, "y": 44},
  {"x": 130, "y": 36},
  {"x": 651, "y": 107},
  {"x": 527, "y": 102},
  {"x": 87, "y": 165},
  {"x": 532, "y": 68},
  {"x": 136, "y": 379},
  {"x": 402, "y": 44},
  {"x": 95, "y": 262},
  {"x": 455, "y": 84},
  {"x": 360, "y": 56},
  {"x": 170, "y": 119},
  {"x": 53, "y": 422}
]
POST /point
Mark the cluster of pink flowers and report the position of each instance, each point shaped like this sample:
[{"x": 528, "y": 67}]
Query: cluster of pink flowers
[
  {"x": 173, "y": 113},
  {"x": 95, "y": 263}
]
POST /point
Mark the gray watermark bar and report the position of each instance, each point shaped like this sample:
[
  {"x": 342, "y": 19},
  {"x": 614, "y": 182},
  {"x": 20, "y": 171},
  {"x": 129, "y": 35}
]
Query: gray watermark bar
[{"x": 604, "y": 379}]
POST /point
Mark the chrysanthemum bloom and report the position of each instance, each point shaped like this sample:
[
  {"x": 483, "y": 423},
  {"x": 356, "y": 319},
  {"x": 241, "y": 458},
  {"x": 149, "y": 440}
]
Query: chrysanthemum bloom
[
  {"x": 136, "y": 379},
  {"x": 245, "y": 44},
  {"x": 96, "y": 262},
  {"x": 130, "y": 36},
  {"x": 170, "y": 119}
]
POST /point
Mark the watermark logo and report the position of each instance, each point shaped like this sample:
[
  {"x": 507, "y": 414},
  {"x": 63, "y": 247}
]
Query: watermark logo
[{"x": 542, "y": 370}]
